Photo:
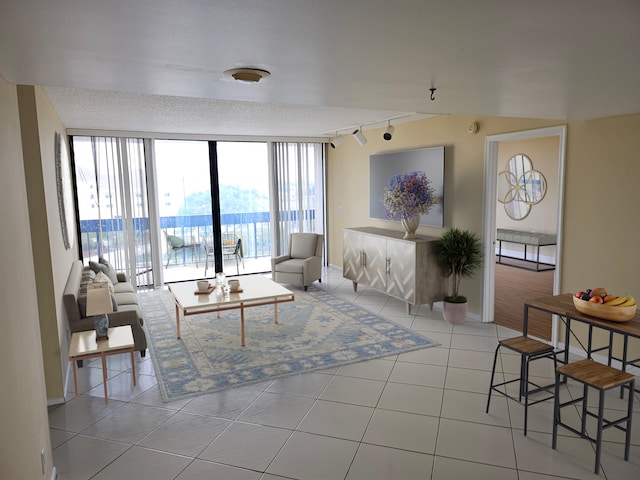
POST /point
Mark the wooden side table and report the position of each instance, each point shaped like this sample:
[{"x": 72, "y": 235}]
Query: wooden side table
[{"x": 84, "y": 345}]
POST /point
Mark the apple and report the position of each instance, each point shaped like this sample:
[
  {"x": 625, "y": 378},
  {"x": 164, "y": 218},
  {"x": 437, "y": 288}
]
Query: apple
[
  {"x": 598, "y": 292},
  {"x": 608, "y": 298},
  {"x": 579, "y": 294},
  {"x": 596, "y": 300}
]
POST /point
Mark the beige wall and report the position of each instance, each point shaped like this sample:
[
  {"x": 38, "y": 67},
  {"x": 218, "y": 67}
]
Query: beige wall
[
  {"x": 601, "y": 193},
  {"x": 39, "y": 123},
  {"x": 23, "y": 416}
]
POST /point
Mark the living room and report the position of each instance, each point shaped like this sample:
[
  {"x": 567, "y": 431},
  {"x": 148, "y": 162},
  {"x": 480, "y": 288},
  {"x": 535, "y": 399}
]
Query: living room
[{"x": 598, "y": 238}]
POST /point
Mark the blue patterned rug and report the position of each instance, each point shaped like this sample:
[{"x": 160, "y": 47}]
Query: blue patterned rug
[{"x": 318, "y": 330}]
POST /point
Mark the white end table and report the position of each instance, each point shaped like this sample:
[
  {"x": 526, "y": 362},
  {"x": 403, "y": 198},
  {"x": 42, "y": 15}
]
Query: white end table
[{"x": 84, "y": 345}]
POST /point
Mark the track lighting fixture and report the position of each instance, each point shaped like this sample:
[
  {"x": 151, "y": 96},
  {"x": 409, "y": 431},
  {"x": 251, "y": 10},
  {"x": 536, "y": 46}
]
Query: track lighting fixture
[
  {"x": 388, "y": 133},
  {"x": 357, "y": 134},
  {"x": 335, "y": 143}
]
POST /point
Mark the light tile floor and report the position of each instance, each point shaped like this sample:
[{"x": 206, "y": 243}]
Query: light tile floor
[{"x": 419, "y": 415}]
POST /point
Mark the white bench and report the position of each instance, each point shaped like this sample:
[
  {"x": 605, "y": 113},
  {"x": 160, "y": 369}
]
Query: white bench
[{"x": 527, "y": 239}]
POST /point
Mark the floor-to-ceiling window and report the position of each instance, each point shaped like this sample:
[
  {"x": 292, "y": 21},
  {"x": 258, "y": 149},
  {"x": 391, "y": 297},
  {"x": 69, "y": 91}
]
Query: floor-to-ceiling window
[
  {"x": 243, "y": 179},
  {"x": 209, "y": 206},
  {"x": 298, "y": 202},
  {"x": 112, "y": 203},
  {"x": 183, "y": 189}
]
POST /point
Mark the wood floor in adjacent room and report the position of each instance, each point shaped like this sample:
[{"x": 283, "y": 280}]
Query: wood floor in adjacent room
[{"x": 513, "y": 287}]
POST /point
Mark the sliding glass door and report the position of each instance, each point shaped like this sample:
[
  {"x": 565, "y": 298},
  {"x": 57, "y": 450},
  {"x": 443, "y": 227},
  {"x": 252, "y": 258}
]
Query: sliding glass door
[
  {"x": 183, "y": 190},
  {"x": 243, "y": 183}
]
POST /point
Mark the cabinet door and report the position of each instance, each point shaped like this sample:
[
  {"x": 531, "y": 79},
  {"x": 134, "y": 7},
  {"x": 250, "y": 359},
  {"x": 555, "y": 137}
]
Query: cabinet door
[
  {"x": 374, "y": 273},
  {"x": 351, "y": 255},
  {"x": 401, "y": 270}
]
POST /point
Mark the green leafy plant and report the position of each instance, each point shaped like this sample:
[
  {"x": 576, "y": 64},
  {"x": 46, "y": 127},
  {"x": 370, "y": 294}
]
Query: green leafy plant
[{"x": 460, "y": 253}]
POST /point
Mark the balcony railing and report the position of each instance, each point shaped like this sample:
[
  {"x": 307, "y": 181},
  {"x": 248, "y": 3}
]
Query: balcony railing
[{"x": 254, "y": 228}]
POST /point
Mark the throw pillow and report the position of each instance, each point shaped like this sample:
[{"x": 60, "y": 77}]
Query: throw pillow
[
  {"x": 102, "y": 277},
  {"x": 110, "y": 271}
]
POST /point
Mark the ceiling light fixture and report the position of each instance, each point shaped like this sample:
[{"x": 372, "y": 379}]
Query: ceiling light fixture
[
  {"x": 357, "y": 134},
  {"x": 247, "y": 75},
  {"x": 388, "y": 133},
  {"x": 335, "y": 143}
]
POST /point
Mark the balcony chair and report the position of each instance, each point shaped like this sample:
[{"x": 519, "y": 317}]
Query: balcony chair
[
  {"x": 302, "y": 264},
  {"x": 175, "y": 244},
  {"x": 231, "y": 245}
]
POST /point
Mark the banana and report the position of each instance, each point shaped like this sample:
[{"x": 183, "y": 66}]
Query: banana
[
  {"x": 616, "y": 301},
  {"x": 630, "y": 302}
]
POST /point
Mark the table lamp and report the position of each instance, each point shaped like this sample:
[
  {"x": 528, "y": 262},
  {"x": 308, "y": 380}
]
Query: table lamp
[{"x": 98, "y": 305}]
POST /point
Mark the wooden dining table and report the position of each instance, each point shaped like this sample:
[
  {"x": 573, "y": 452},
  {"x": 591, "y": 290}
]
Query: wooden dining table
[{"x": 562, "y": 306}]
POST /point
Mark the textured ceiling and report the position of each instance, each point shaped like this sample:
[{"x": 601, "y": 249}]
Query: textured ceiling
[{"x": 157, "y": 65}]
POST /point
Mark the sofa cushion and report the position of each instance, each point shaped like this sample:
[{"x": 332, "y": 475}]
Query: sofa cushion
[
  {"x": 103, "y": 278},
  {"x": 126, "y": 298},
  {"x": 293, "y": 265},
  {"x": 123, "y": 287},
  {"x": 99, "y": 267}
]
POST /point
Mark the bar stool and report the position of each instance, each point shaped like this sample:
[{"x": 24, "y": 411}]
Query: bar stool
[
  {"x": 529, "y": 350},
  {"x": 602, "y": 378}
]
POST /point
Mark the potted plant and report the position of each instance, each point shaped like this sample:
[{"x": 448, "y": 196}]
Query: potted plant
[
  {"x": 407, "y": 196},
  {"x": 460, "y": 253}
]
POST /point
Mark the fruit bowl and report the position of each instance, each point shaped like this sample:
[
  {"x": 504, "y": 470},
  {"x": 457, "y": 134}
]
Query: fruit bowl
[{"x": 605, "y": 312}]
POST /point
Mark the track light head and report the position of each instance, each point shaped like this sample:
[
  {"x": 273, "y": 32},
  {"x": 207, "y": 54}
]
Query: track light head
[
  {"x": 388, "y": 133},
  {"x": 357, "y": 134},
  {"x": 335, "y": 143}
]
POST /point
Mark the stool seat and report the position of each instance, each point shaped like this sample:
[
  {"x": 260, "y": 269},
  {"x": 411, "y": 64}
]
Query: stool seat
[
  {"x": 595, "y": 374},
  {"x": 602, "y": 378},
  {"x": 526, "y": 345},
  {"x": 529, "y": 350}
]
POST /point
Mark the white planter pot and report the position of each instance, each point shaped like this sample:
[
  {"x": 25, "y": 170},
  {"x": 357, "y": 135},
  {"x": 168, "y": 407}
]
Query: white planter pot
[{"x": 454, "y": 313}]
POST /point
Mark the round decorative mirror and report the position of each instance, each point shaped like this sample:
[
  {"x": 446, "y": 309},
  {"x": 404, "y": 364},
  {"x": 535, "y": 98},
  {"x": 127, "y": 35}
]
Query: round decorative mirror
[
  {"x": 520, "y": 187},
  {"x": 65, "y": 191}
]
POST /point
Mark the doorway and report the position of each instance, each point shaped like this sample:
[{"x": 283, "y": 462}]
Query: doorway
[{"x": 491, "y": 182}]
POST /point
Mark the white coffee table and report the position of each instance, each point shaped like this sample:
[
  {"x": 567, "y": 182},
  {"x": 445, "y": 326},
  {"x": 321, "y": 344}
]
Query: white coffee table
[
  {"x": 257, "y": 290},
  {"x": 84, "y": 345}
]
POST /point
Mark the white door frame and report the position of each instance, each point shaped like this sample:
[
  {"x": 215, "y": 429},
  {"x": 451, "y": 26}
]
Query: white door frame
[{"x": 489, "y": 211}]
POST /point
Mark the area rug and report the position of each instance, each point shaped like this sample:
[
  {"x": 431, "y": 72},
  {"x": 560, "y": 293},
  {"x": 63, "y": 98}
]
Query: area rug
[{"x": 316, "y": 331}]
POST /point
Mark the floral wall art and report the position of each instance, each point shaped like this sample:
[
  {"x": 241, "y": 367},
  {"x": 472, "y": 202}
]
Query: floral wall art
[{"x": 385, "y": 166}]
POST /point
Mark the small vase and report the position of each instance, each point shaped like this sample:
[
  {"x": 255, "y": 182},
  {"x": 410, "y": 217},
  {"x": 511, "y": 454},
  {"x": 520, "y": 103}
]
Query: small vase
[{"x": 410, "y": 226}]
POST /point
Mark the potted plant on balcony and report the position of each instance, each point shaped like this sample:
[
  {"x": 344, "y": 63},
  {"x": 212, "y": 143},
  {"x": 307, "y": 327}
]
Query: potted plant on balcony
[{"x": 460, "y": 253}]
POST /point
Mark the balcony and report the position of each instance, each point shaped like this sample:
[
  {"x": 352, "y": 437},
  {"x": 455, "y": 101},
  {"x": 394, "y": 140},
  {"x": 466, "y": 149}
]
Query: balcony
[{"x": 254, "y": 228}]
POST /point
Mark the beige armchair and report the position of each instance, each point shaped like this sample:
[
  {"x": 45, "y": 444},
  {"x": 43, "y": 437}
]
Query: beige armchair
[{"x": 302, "y": 264}]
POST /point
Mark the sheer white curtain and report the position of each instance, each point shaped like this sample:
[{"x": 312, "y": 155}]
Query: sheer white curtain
[
  {"x": 113, "y": 203},
  {"x": 297, "y": 191}
]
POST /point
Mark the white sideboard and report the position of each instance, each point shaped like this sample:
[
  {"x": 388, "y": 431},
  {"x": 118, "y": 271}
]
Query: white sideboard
[{"x": 402, "y": 268}]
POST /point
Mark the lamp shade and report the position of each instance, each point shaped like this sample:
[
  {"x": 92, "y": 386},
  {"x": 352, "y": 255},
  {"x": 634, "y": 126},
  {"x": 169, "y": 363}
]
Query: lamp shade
[
  {"x": 98, "y": 299},
  {"x": 357, "y": 134}
]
